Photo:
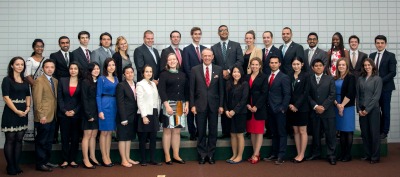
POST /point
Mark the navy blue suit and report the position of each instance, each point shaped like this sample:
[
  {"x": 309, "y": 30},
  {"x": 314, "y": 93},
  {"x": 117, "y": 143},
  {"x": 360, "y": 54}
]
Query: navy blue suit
[
  {"x": 294, "y": 50},
  {"x": 273, "y": 52}
]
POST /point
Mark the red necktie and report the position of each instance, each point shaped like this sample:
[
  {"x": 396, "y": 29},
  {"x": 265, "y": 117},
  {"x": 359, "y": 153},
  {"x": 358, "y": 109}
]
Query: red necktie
[
  {"x": 198, "y": 53},
  {"x": 178, "y": 54},
  {"x": 207, "y": 77},
  {"x": 87, "y": 56},
  {"x": 271, "y": 79},
  {"x": 266, "y": 53}
]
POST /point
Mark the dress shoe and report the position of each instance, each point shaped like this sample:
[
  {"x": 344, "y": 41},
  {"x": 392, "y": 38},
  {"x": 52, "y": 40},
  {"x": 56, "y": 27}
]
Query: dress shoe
[
  {"x": 155, "y": 163},
  {"x": 383, "y": 135},
  {"x": 374, "y": 161},
  {"x": 211, "y": 160},
  {"x": 44, "y": 168},
  {"x": 313, "y": 157},
  {"x": 94, "y": 163},
  {"x": 365, "y": 158},
  {"x": 279, "y": 161},
  {"x": 74, "y": 165},
  {"x": 298, "y": 161},
  {"x": 332, "y": 161},
  {"x": 193, "y": 138},
  {"x": 270, "y": 158},
  {"x": 229, "y": 160},
  {"x": 143, "y": 164},
  {"x": 108, "y": 165},
  {"x": 169, "y": 162},
  {"x": 87, "y": 167},
  {"x": 51, "y": 165},
  {"x": 255, "y": 159},
  {"x": 178, "y": 161},
  {"x": 202, "y": 160},
  {"x": 233, "y": 162},
  {"x": 63, "y": 166},
  {"x": 346, "y": 159}
]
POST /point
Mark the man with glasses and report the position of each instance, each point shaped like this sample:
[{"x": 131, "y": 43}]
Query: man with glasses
[{"x": 313, "y": 52}]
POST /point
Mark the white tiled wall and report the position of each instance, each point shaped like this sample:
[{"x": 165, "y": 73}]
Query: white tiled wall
[{"x": 21, "y": 21}]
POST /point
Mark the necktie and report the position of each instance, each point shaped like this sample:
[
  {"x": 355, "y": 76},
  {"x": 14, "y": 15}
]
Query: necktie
[
  {"x": 52, "y": 85},
  {"x": 353, "y": 59},
  {"x": 318, "y": 78},
  {"x": 271, "y": 79},
  {"x": 266, "y": 53},
  {"x": 178, "y": 54},
  {"x": 198, "y": 53},
  {"x": 284, "y": 50},
  {"x": 109, "y": 53},
  {"x": 87, "y": 56},
  {"x": 66, "y": 58},
  {"x": 224, "y": 50},
  {"x": 310, "y": 55},
  {"x": 207, "y": 77},
  {"x": 377, "y": 61}
]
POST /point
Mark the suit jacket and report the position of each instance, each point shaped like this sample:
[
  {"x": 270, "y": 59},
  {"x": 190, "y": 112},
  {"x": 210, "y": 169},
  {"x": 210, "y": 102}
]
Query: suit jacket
[
  {"x": 141, "y": 57},
  {"x": 62, "y": 68},
  {"x": 258, "y": 96},
  {"x": 273, "y": 52},
  {"x": 279, "y": 93},
  {"x": 100, "y": 55},
  {"x": 300, "y": 91},
  {"x": 118, "y": 64},
  {"x": 66, "y": 102},
  {"x": 80, "y": 57},
  {"x": 368, "y": 93},
  {"x": 387, "y": 69},
  {"x": 44, "y": 99},
  {"x": 145, "y": 95},
  {"x": 164, "y": 55},
  {"x": 323, "y": 94},
  {"x": 294, "y": 50},
  {"x": 236, "y": 97},
  {"x": 234, "y": 55},
  {"x": 89, "y": 100},
  {"x": 202, "y": 96},
  {"x": 318, "y": 54},
  {"x": 349, "y": 89},
  {"x": 190, "y": 58},
  {"x": 256, "y": 52},
  {"x": 126, "y": 103},
  {"x": 356, "y": 71}
]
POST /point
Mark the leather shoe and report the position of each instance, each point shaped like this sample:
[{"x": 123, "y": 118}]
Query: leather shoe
[
  {"x": 108, "y": 165},
  {"x": 74, "y": 165},
  {"x": 298, "y": 161},
  {"x": 374, "y": 161},
  {"x": 143, "y": 164},
  {"x": 178, "y": 161},
  {"x": 383, "y": 135},
  {"x": 44, "y": 168},
  {"x": 155, "y": 163},
  {"x": 346, "y": 159},
  {"x": 211, "y": 160},
  {"x": 313, "y": 157},
  {"x": 270, "y": 158},
  {"x": 51, "y": 165},
  {"x": 365, "y": 158},
  {"x": 94, "y": 163},
  {"x": 193, "y": 138},
  {"x": 332, "y": 161},
  {"x": 202, "y": 160},
  {"x": 87, "y": 167},
  {"x": 169, "y": 162},
  {"x": 279, "y": 161}
]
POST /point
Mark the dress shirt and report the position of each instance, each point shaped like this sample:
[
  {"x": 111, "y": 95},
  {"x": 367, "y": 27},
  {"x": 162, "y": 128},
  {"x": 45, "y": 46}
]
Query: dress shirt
[
  {"x": 69, "y": 58},
  {"x": 316, "y": 76},
  {"x": 209, "y": 70},
  {"x": 226, "y": 43},
  {"x": 152, "y": 53},
  {"x": 287, "y": 46},
  {"x": 380, "y": 57},
  {"x": 107, "y": 50},
  {"x": 275, "y": 72}
]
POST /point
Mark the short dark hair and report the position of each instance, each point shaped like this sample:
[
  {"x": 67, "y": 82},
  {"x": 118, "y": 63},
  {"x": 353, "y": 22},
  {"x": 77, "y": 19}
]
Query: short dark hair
[
  {"x": 147, "y": 32},
  {"x": 126, "y": 68},
  {"x": 175, "y": 31},
  {"x": 272, "y": 35},
  {"x": 48, "y": 61},
  {"x": 195, "y": 29},
  {"x": 34, "y": 43},
  {"x": 298, "y": 59},
  {"x": 82, "y": 33},
  {"x": 382, "y": 37},
  {"x": 317, "y": 60},
  {"x": 287, "y": 28},
  {"x": 222, "y": 26},
  {"x": 105, "y": 34},
  {"x": 313, "y": 33},
  {"x": 62, "y": 37},
  {"x": 275, "y": 56},
  {"x": 89, "y": 70},
  {"x": 354, "y": 37},
  {"x": 105, "y": 72}
]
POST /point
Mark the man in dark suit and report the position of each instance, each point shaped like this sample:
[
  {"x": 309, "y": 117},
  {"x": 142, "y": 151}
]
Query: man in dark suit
[
  {"x": 147, "y": 55},
  {"x": 277, "y": 104},
  {"x": 313, "y": 52},
  {"x": 191, "y": 58},
  {"x": 44, "y": 95},
  {"x": 321, "y": 97},
  {"x": 356, "y": 57},
  {"x": 386, "y": 64},
  {"x": 175, "y": 37},
  {"x": 227, "y": 54},
  {"x": 289, "y": 49},
  {"x": 82, "y": 53},
  {"x": 62, "y": 58},
  {"x": 268, "y": 51},
  {"x": 206, "y": 101}
]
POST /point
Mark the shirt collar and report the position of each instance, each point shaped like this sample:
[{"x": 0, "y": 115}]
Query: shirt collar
[{"x": 222, "y": 42}]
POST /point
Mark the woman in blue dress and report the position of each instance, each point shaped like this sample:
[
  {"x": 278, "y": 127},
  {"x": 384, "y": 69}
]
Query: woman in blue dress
[
  {"x": 345, "y": 107},
  {"x": 107, "y": 108}
]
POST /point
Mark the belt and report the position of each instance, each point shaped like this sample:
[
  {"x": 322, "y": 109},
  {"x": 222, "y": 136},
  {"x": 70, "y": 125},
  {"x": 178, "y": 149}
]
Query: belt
[{"x": 108, "y": 95}]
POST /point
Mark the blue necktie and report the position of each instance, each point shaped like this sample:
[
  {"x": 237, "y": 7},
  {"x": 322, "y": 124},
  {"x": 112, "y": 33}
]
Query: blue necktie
[{"x": 224, "y": 50}]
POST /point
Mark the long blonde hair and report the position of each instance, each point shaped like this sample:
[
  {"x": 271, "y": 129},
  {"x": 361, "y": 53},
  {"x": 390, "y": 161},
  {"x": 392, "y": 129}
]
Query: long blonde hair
[{"x": 119, "y": 39}]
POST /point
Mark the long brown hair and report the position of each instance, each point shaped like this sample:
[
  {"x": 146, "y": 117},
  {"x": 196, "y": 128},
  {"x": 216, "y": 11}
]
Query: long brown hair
[
  {"x": 374, "y": 70},
  {"x": 338, "y": 74}
]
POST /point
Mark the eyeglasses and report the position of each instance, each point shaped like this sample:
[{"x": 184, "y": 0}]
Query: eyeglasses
[
  {"x": 312, "y": 39},
  {"x": 224, "y": 30}
]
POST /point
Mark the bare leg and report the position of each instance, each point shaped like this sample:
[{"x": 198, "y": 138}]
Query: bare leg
[
  {"x": 128, "y": 153},
  {"x": 303, "y": 142},
  {"x": 166, "y": 142},
  {"x": 122, "y": 152},
  {"x": 108, "y": 145},
  {"x": 103, "y": 147},
  {"x": 234, "y": 145},
  {"x": 240, "y": 147},
  {"x": 297, "y": 139},
  {"x": 176, "y": 142},
  {"x": 85, "y": 147},
  {"x": 259, "y": 140},
  {"x": 92, "y": 146}
]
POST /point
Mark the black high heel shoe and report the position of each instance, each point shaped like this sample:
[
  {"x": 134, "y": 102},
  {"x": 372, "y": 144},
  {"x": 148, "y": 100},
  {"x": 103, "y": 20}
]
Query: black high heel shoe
[
  {"x": 178, "y": 161},
  {"x": 92, "y": 167},
  {"x": 94, "y": 163}
]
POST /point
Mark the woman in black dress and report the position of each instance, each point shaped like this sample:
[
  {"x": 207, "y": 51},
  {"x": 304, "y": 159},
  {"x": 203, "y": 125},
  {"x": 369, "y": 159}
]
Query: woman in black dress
[
  {"x": 175, "y": 101},
  {"x": 299, "y": 107},
  {"x": 121, "y": 56},
  {"x": 127, "y": 111},
  {"x": 69, "y": 106},
  {"x": 237, "y": 91},
  {"x": 90, "y": 124},
  {"x": 14, "y": 121}
]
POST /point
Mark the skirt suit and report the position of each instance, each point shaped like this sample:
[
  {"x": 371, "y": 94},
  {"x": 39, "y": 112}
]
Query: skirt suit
[
  {"x": 127, "y": 109},
  {"x": 236, "y": 100},
  {"x": 299, "y": 98},
  {"x": 257, "y": 97}
]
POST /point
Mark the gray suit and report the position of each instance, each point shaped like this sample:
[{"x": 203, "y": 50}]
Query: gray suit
[
  {"x": 100, "y": 55},
  {"x": 323, "y": 94},
  {"x": 319, "y": 53},
  {"x": 368, "y": 95}
]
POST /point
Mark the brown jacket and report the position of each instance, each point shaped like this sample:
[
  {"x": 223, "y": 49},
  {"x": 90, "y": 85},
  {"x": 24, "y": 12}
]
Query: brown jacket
[{"x": 44, "y": 100}]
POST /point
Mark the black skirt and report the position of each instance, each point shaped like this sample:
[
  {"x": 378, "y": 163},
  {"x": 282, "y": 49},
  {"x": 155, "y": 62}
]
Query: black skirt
[
  {"x": 238, "y": 123},
  {"x": 90, "y": 125},
  {"x": 154, "y": 124},
  {"x": 297, "y": 118}
]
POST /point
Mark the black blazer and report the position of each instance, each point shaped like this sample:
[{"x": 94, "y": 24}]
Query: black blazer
[
  {"x": 141, "y": 57},
  {"x": 88, "y": 96},
  {"x": 118, "y": 64},
  {"x": 190, "y": 58},
  {"x": 387, "y": 69},
  {"x": 258, "y": 96},
  {"x": 80, "y": 57},
  {"x": 164, "y": 54},
  {"x": 236, "y": 97},
  {"x": 349, "y": 89},
  {"x": 67, "y": 102},
  {"x": 126, "y": 103},
  {"x": 356, "y": 71},
  {"x": 273, "y": 52},
  {"x": 62, "y": 69},
  {"x": 201, "y": 95},
  {"x": 234, "y": 55},
  {"x": 323, "y": 94},
  {"x": 294, "y": 50},
  {"x": 300, "y": 91},
  {"x": 279, "y": 93}
]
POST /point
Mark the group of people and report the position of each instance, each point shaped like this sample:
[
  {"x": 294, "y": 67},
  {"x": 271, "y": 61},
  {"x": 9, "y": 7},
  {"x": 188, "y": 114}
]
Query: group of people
[{"x": 285, "y": 89}]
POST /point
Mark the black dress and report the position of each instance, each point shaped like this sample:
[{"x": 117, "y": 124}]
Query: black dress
[
  {"x": 246, "y": 60},
  {"x": 127, "y": 111},
  {"x": 89, "y": 105},
  {"x": 17, "y": 92}
]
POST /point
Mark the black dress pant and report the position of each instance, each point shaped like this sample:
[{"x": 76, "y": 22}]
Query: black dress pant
[
  {"x": 369, "y": 126},
  {"x": 329, "y": 126},
  {"x": 69, "y": 129},
  {"x": 206, "y": 147},
  {"x": 190, "y": 124},
  {"x": 143, "y": 136},
  {"x": 43, "y": 142},
  {"x": 278, "y": 128}
]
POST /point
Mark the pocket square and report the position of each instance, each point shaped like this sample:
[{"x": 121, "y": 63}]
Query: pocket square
[
  {"x": 298, "y": 80},
  {"x": 216, "y": 76}
]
